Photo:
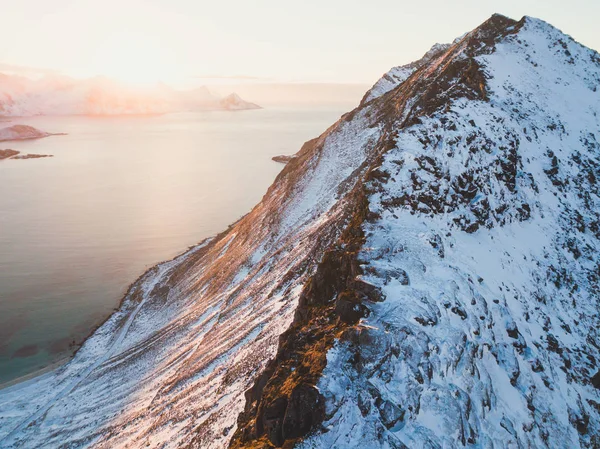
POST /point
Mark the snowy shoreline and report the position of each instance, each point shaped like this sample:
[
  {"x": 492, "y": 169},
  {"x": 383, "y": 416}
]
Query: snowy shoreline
[
  {"x": 108, "y": 335},
  {"x": 64, "y": 361}
]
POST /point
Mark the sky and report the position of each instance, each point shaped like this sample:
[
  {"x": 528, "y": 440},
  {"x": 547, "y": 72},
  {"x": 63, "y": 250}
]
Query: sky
[{"x": 194, "y": 42}]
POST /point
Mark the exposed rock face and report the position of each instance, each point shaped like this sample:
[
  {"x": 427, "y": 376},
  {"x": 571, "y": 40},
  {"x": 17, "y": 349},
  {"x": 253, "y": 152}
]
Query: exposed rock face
[
  {"x": 424, "y": 274},
  {"x": 486, "y": 334},
  {"x": 489, "y": 201},
  {"x": 283, "y": 404}
]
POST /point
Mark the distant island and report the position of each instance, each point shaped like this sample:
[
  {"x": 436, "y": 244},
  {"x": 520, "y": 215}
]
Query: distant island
[
  {"x": 14, "y": 154},
  {"x": 31, "y": 156},
  {"x": 6, "y": 154},
  {"x": 234, "y": 102},
  {"x": 60, "y": 95},
  {"x": 23, "y": 132}
]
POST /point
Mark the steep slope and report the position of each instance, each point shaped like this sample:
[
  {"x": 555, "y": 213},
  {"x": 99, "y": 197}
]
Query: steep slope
[
  {"x": 480, "y": 245},
  {"x": 424, "y": 274}
]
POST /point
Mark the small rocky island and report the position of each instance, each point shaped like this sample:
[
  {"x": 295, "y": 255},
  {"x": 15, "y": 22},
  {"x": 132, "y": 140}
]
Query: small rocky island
[
  {"x": 6, "y": 154},
  {"x": 23, "y": 132},
  {"x": 283, "y": 159},
  {"x": 14, "y": 154},
  {"x": 32, "y": 156},
  {"x": 233, "y": 102}
]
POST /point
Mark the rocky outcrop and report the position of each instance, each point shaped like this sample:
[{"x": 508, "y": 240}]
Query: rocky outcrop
[
  {"x": 473, "y": 206},
  {"x": 21, "y": 132},
  {"x": 283, "y": 159},
  {"x": 14, "y": 154},
  {"x": 428, "y": 364},
  {"x": 284, "y": 404},
  {"x": 6, "y": 154},
  {"x": 32, "y": 156}
]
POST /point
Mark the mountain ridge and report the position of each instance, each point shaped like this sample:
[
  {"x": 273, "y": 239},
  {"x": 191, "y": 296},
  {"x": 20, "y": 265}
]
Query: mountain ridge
[
  {"x": 268, "y": 419},
  {"x": 357, "y": 305},
  {"x": 60, "y": 95}
]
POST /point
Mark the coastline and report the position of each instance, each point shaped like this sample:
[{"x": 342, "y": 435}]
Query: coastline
[
  {"x": 115, "y": 305},
  {"x": 65, "y": 360},
  {"x": 39, "y": 372}
]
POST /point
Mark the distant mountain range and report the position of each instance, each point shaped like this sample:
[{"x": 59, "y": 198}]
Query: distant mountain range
[{"x": 60, "y": 95}]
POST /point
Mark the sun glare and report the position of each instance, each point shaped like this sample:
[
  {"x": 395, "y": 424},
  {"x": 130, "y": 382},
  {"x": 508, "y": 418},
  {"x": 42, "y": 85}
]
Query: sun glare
[{"x": 135, "y": 59}]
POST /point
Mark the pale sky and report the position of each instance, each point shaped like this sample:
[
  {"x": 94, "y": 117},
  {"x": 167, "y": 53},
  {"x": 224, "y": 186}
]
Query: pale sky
[{"x": 181, "y": 41}]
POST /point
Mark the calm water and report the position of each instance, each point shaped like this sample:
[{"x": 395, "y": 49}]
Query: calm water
[{"x": 120, "y": 195}]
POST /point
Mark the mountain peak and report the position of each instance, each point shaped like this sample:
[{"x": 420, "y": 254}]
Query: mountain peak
[
  {"x": 484, "y": 35},
  {"x": 233, "y": 101},
  {"x": 475, "y": 318}
]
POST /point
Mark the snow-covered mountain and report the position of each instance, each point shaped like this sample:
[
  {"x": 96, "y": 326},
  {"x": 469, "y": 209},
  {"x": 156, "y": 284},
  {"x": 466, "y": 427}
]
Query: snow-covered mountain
[
  {"x": 59, "y": 95},
  {"x": 424, "y": 274}
]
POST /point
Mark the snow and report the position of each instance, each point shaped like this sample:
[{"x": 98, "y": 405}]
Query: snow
[
  {"x": 443, "y": 355},
  {"x": 483, "y": 339},
  {"x": 397, "y": 75},
  {"x": 393, "y": 78},
  {"x": 343, "y": 152}
]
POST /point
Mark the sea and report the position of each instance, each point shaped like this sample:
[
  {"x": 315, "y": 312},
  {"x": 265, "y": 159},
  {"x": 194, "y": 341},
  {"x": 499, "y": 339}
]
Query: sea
[{"x": 119, "y": 195}]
